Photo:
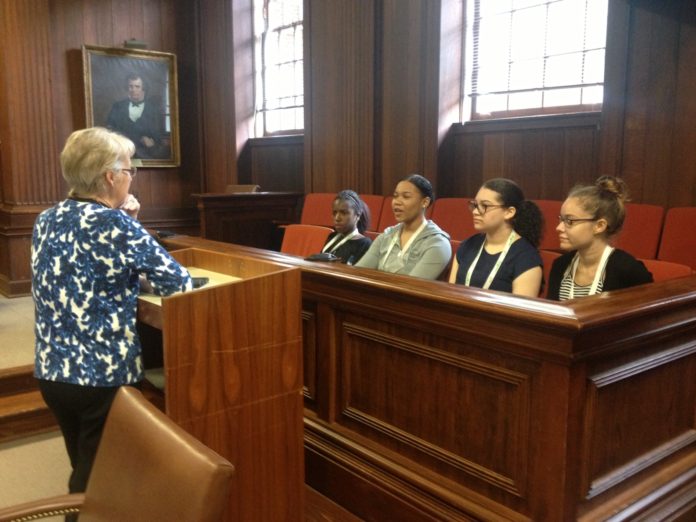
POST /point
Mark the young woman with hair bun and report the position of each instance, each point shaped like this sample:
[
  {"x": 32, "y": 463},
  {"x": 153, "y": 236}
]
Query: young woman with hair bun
[
  {"x": 590, "y": 216},
  {"x": 504, "y": 255},
  {"x": 351, "y": 218}
]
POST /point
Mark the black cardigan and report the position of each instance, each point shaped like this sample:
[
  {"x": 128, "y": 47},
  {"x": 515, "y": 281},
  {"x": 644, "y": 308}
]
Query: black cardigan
[{"x": 623, "y": 271}]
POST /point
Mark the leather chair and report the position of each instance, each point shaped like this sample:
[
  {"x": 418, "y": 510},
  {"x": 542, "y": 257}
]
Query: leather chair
[{"x": 147, "y": 469}]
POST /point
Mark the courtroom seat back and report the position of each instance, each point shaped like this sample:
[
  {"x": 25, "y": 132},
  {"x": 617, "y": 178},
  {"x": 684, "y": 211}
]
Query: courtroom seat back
[
  {"x": 547, "y": 257},
  {"x": 550, "y": 209},
  {"x": 371, "y": 234},
  {"x": 454, "y": 243},
  {"x": 663, "y": 270},
  {"x": 678, "y": 241},
  {"x": 386, "y": 218},
  {"x": 374, "y": 204},
  {"x": 454, "y": 217},
  {"x": 640, "y": 235},
  {"x": 317, "y": 209},
  {"x": 304, "y": 240}
]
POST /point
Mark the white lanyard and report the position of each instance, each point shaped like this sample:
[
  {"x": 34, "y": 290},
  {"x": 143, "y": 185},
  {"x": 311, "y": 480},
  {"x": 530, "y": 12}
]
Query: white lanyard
[
  {"x": 397, "y": 237},
  {"x": 330, "y": 247},
  {"x": 598, "y": 274},
  {"x": 497, "y": 265}
]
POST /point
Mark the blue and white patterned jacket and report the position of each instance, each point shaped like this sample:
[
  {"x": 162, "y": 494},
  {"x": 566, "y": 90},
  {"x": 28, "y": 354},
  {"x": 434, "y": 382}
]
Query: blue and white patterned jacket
[{"x": 86, "y": 260}]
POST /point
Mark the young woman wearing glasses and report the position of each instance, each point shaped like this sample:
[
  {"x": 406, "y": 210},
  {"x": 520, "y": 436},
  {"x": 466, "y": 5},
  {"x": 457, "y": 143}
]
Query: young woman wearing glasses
[
  {"x": 590, "y": 216},
  {"x": 504, "y": 255}
]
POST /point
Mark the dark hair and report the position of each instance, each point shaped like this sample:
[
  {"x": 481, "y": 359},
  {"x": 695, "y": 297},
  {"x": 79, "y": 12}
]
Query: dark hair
[
  {"x": 359, "y": 207},
  {"x": 605, "y": 199},
  {"x": 423, "y": 185},
  {"x": 528, "y": 221},
  {"x": 136, "y": 76}
]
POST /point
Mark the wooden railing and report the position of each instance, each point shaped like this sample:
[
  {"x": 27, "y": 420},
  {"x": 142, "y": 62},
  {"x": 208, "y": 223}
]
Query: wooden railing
[{"x": 429, "y": 401}]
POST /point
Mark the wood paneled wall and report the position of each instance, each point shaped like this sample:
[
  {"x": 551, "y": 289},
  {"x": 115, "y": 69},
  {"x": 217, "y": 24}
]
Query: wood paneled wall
[
  {"x": 42, "y": 102},
  {"x": 339, "y": 95},
  {"x": 382, "y": 85},
  {"x": 546, "y": 157},
  {"x": 649, "y": 137}
]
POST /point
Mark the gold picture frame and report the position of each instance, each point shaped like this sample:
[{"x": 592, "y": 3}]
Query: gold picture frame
[{"x": 134, "y": 92}]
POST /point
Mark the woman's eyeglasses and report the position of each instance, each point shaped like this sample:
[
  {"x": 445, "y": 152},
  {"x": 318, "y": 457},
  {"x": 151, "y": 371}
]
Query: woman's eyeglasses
[
  {"x": 569, "y": 222},
  {"x": 482, "y": 207},
  {"x": 131, "y": 171}
]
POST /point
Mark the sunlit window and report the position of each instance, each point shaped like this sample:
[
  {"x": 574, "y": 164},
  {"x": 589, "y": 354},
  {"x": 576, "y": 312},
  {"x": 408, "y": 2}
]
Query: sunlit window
[
  {"x": 528, "y": 57},
  {"x": 278, "y": 63}
]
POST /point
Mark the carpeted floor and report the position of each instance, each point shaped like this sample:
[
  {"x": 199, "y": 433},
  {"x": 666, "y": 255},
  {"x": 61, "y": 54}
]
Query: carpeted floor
[
  {"x": 33, "y": 467},
  {"x": 16, "y": 331}
]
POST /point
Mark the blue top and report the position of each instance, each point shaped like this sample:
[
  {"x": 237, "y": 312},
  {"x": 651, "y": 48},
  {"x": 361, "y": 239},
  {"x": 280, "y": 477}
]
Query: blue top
[
  {"x": 86, "y": 260},
  {"x": 521, "y": 257}
]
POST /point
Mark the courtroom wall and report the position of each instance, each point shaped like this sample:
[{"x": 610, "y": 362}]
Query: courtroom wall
[
  {"x": 381, "y": 88},
  {"x": 42, "y": 102}
]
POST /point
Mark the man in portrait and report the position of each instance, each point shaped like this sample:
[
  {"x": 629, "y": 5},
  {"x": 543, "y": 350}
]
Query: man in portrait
[{"x": 141, "y": 119}]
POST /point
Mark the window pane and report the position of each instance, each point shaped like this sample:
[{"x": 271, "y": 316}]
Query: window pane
[
  {"x": 596, "y": 22},
  {"x": 561, "y": 97},
  {"x": 492, "y": 80},
  {"x": 525, "y": 100},
  {"x": 278, "y": 61},
  {"x": 563, "y": 70},
  {"x": 528, "y": 33},
  {"x": 495, "y": 7},
  {"x": 593, "y": 95},
  {"x": 594, "y": 67},
  {"x": 526, "y": 74},
  {"x": 535, "y": 54},
  {"x": 566, "y": 28},
  {"x": 491, "y": 103}
]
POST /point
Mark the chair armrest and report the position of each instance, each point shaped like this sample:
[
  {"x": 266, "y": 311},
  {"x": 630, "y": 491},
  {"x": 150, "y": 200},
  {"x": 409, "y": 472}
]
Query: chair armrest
[{"x": 45, "y": 507}]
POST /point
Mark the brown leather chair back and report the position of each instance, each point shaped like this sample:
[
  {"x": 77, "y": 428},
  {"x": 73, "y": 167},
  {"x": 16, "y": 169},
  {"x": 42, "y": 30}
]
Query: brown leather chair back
[{"x": 149, "y": 469}]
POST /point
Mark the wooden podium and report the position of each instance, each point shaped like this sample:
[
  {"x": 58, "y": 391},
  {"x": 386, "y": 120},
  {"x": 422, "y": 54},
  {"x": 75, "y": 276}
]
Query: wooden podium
[{"x": 233, "y": 375}]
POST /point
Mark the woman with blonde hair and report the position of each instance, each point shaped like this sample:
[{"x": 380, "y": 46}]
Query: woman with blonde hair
[
  {"x": 590, "y": 216},
  {"x": 87, "y": 257}
]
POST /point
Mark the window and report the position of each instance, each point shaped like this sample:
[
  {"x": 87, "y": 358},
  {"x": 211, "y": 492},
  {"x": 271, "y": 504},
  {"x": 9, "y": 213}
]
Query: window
[
  {"x": 278, "y": 64},
  {"x": 529, "y": 57}
]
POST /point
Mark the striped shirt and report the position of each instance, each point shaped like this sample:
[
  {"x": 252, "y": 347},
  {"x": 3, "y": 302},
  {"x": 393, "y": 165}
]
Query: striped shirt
[{"x": 578, "y": 290}]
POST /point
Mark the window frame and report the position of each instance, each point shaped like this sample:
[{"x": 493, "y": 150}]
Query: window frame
[
  {"x": 261, "y": 109},
  {"x": 470, "y": 75}
]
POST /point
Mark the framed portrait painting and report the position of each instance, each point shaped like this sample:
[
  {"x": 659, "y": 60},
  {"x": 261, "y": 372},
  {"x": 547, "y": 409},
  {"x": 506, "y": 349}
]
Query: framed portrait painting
[{"x": 134, "y": 92}]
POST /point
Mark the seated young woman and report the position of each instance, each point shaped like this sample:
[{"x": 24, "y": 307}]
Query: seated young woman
[
  {"x": 415, "y": 246},
  {"x": 590, "y": 216},
  {"x": 351, "y": 218},
  {"x": 504, "y": 255}
]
